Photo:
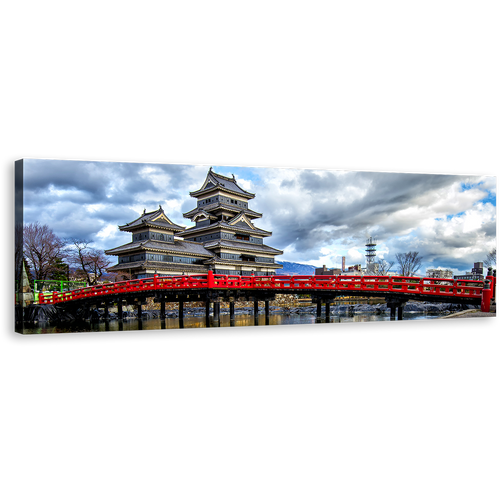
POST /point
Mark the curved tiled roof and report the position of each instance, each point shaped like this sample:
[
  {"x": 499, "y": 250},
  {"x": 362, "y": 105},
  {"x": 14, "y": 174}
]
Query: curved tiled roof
[
  {"x": 157, "y": 218},
  {"x": 221, "y": 182},
  {"x": 241, "y": 245},
  {"x": 225, "y": 225},
  {"x": 178, "y": 246},
  {"x": 219, "y": 260},
  {"x": 214, "y": 206}
]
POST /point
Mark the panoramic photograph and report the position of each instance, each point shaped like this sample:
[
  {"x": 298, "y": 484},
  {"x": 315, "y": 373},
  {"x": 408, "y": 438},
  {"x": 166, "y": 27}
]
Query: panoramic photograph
[{"x": 108, "y": 246}]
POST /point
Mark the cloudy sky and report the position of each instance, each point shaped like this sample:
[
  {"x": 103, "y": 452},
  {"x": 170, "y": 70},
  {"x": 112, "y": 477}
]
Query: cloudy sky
[{"x": 316, "y": 216}]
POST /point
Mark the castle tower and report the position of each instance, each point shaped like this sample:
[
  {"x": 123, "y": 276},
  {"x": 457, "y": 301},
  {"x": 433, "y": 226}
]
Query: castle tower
[
  {"x": 155, "y": 249},
  {"x": 224, "y": 225}
]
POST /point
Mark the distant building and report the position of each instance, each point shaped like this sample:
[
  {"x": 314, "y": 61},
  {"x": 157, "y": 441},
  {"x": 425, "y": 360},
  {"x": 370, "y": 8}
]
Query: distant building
[
  {"x": 323, "y": 271},
  {"x": 439, "y": 273},
  {"x": 475, "y": 274}
]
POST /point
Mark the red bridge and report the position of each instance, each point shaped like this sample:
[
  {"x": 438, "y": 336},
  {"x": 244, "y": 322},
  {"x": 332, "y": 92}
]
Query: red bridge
[
  {"x": 427, "y": 288},
  {"x": 396, "y": 290}
]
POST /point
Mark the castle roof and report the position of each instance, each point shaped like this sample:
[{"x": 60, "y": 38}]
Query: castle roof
[
  {"x": 218, "y": 205},
  {"x": 155, "y": 219},
  {"x": 177, "y": 247},
  {"x": 239, "y": 223},
  {"x": 241, "y": 245},
  {"x": 220, "y": 182}
]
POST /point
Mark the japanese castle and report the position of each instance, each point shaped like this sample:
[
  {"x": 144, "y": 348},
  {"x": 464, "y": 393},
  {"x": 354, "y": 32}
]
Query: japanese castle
[{"x": 223, "y": 239}]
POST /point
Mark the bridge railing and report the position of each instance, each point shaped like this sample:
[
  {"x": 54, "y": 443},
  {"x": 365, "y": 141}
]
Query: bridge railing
[
  {"x": 468, "y": 288},
  {"x": 340, "y": 283}
]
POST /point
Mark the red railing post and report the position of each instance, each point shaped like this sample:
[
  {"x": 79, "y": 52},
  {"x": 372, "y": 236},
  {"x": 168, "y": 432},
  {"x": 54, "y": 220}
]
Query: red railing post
[
  {"x": 494, "y": 287},
  {"x": 491, "y": 276},
  {"x": 211, "y": 280},
  {"x": 486, "y": 296}
]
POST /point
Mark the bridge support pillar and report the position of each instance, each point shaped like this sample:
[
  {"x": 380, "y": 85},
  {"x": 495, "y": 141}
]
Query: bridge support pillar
[
  {"x": 393, "y": 312},
  {"x": 394, "y": 303},
  {"x": 217, "y": 312},
  {"x": 162, "y": 308},
  {"x": 120, "y": 309},
  {"x": 106, "y": 311},
  {"x": 266, "y": 307},
  {"x": 318, "y": 308},
  {"x": 207, "y": 313},
  {"x": 231, "y": 308},
  {"x": 139, "y": 310},
  {"x": 181, "y": 309},
  {"x": 327, "y": 311}
]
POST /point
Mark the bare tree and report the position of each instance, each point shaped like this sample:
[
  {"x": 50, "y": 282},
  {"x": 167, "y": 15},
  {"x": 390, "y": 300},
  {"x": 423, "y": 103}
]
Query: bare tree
[
  {"x": 42, "y": 249},
  {"x": 18, "y": 255},
  {"x": 491, "y": 259},
  {"x": 409, "y": 263},
  {"x": 382, "y": 267},
  {"x": 89, "y": 263}
]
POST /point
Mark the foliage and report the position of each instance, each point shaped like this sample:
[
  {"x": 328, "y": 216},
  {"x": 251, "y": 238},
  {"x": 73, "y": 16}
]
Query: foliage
[{"x": 60, "y": 271}]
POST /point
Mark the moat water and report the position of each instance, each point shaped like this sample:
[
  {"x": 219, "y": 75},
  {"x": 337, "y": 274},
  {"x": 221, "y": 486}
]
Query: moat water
[{"x": 199, "y": 322}]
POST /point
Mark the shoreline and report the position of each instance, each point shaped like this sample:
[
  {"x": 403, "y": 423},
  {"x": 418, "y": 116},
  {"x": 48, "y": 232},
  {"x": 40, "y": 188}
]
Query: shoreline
[{"x": 473, "y": 313}]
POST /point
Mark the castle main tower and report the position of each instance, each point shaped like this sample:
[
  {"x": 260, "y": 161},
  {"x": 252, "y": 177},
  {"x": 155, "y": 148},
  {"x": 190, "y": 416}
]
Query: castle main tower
[{"x": 224, "y": 225}]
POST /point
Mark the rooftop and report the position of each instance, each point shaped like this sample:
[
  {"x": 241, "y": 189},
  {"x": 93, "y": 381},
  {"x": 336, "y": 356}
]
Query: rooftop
[
  {"x": 218, "y": 181},
  {"x": 242, "y": 245},
  {"x": 179, "y": 246},
  {"x": 216, "y": 205},
  {"x": 225, "y": 225},
  {"x": 157, "y": 218}
]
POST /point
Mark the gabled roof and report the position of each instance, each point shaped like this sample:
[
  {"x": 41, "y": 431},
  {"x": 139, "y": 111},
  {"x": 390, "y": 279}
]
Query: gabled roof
[
  {"x": 219, "y": 260},
  {"x": 242, "y": 245},
  {"x": 224, "y": 225},
  {"x": 201, "y": 214},
  {"x": 216, "y": 181},
  {"x": 241, "y": 220},
  {"x": 218, "y": 205},
  {"x": 178, "y": 246},
  {"x": 156, "y": 218}
]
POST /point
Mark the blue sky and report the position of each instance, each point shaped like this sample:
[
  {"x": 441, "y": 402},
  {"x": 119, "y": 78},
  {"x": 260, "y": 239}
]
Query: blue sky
[{"x": 316, "y": 216}]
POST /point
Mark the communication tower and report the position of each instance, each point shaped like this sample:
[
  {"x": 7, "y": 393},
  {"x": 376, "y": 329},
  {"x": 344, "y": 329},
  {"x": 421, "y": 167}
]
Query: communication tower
[{"x": 371, "y": 251}]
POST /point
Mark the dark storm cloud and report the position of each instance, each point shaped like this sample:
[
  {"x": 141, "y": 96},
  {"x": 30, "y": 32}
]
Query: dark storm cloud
[
  {"x": 309, "y": 209},
  {"x": 41, "y": 174},
  {"x": 385, "y": 194}
]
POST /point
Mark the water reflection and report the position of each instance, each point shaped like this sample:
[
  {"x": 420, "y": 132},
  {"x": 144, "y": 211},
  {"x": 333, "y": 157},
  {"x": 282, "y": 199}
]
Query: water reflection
[{"x": 223, "y": 321}]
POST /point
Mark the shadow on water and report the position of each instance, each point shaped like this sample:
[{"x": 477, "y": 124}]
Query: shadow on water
[{"x": 224, "y": 321}]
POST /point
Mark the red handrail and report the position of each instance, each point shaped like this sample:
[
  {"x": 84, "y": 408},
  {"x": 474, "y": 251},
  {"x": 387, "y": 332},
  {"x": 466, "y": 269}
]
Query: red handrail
[{"x": 341, "y": 283}]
